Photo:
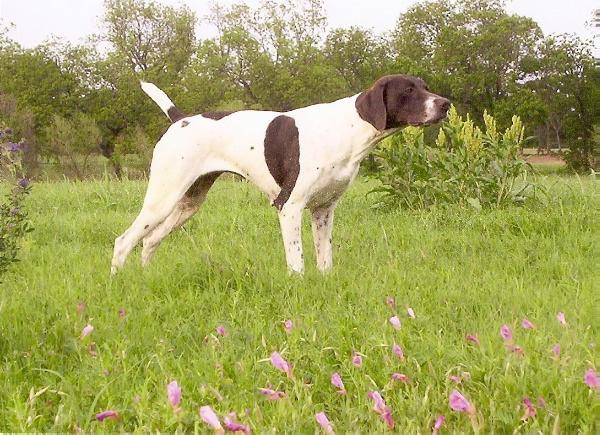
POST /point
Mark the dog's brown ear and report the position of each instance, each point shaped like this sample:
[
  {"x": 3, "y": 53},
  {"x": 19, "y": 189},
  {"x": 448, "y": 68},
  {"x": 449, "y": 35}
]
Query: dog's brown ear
[{"x": 370, "y": 106}]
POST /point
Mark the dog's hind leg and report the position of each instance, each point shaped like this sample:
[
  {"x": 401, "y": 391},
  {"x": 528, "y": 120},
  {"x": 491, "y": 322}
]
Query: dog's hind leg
[
  {"x": 169, "y": 181},
  {"x": 322, "y": 228},
  {"x": 184, "y": 210}
]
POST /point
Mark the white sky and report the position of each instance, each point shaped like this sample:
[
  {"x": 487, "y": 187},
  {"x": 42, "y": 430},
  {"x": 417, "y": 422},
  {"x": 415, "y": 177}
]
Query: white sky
[{"x": 73, "y": 20}]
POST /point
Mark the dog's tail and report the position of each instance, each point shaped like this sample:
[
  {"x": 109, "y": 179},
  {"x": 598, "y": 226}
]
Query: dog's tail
[{"x": 163, "y": 101}]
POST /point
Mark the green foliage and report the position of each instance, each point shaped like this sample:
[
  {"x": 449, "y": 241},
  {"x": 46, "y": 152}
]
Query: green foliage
[
  {"x": 586, "y": 159},
  {"x": 280, "y": 55},
  {"x": 470, "y": 51},
  {"x": 359, "y": 56},
  {"x": 13, "y": 216},
  {"x": 74, "y": 138},
  {"x": 150, "y": 36},
  {"x": 464, "y": 166},
  {"x": 269, "y": 57},
  {"x": 567, "y": 79}
]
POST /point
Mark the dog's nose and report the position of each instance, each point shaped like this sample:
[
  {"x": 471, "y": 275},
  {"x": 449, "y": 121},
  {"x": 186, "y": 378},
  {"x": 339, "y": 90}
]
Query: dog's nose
[{"x": 443, "y": 104}]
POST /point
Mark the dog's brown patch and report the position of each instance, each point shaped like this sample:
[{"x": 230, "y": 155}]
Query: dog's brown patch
[
  {"x": 217, "y": 115},
  {"x": 175, "y": 114},
  {"x": 282, "y": 155}
]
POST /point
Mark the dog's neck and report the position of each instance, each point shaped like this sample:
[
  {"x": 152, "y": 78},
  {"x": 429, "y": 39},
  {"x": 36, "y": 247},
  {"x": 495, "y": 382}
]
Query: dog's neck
[{"x": 375, "y": 138}]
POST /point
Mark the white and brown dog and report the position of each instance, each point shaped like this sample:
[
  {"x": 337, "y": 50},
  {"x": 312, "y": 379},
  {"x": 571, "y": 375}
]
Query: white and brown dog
[{"x": 305, "y": 158}]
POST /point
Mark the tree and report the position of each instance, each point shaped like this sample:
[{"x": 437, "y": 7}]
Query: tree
[
  {"x": 150, "y": 37},
  {"x": 470, "y": 51},
  {"x": 271, "y": 56},
  {"x": 72, "y": 139},
  {"x": 39, "y": 88},
  {"x": 568, "y": 81},
  {"x": 36, "y": 81},
  {"x": 359, "y": 56}
]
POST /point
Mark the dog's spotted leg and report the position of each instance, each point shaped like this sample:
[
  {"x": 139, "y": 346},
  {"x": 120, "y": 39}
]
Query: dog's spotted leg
[
  {"x": 290, "y": 219},
  {"x": 322, "y": 229},
  {"x": 167, "y": 186},
  {"x": 184, "y": 210}
]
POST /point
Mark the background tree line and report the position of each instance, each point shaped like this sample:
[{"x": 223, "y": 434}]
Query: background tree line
[{"x": 73, "y": 102}]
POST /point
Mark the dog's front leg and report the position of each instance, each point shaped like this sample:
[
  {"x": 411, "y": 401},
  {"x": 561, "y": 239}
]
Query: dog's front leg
[
  {"x": 322, "y": 228},
  {"x": 290, "y": 219}
]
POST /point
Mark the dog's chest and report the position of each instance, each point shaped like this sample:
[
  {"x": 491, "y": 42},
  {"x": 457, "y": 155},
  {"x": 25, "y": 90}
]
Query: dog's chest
[{"x": 331, "y": 185}]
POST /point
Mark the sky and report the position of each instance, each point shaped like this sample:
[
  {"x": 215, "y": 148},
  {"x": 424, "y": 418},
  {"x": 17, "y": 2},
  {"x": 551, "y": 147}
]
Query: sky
[{"x": 73, "y": 20}]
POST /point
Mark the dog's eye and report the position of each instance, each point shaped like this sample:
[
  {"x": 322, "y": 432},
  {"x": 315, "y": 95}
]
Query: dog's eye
[{"x": 409, "y": 90}]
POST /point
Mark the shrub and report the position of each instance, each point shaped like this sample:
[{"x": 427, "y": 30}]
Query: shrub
[
  {"x": 586, "y": 159},
  {"x": 73, "y": 141},
  {"x": 13, "y": 217},
  {"x": 464, "y": 165}
]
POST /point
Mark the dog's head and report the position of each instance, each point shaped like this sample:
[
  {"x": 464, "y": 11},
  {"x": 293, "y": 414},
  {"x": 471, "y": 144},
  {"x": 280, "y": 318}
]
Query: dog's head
[{"x": 400, "y": 100}]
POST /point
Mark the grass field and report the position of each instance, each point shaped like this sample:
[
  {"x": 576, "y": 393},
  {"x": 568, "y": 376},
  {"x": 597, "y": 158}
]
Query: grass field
[{"x": 463, "y": 272}]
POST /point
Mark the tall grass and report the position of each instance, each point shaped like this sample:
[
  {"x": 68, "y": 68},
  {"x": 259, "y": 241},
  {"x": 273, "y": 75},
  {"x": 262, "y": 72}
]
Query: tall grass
[{"x": 462, "y": 271}]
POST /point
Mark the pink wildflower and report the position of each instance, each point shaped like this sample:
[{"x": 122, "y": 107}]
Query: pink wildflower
[
  {"x": 459, "y": 403},
  {"x": 87, "y": 330},
  {"x": 336, "y": 381},
  {"x": 395, "y": 322},
  {"x": 221, "y": 330},
  {"x": 506, "y": 333},
  {"x": 530, "y": 410},
  {"x": 455, "y": 379},
  {"x": 526, "y": 324},
  {"x": 210, "y": 418},
  {"x": 410, "y": 312},
  {"x": 473, "y": 338},
  {"x": 288, "y": 325},
  {"x": 272, "y": 394},
  {"x": 378, "y": 402},
  {"x": 81, "y": 306},
  {"x": 110, "y": 414},
  {"x": 400, "y": 377},
  {"x": 281, "y": 364},
  {"x": 388, "y": 418},
  {"x": 232, "y": 425},
  {"x": 174, "y": 394},
  {"x": 381, "y": 408},
  {"x": 556, "y": 351},
  {"x": 324, "y": 422},
  {"x": 560, "y": 316},
  {"x": 592, "y": 379},
  {"x": 357, "y": 360},
  {"x": 398, "y": 351},
  {"x": 438, "y": 424}
]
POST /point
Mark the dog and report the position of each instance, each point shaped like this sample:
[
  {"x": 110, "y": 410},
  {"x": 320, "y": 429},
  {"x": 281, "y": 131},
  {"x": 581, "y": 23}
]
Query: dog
[{"x": 304, "y": 158}]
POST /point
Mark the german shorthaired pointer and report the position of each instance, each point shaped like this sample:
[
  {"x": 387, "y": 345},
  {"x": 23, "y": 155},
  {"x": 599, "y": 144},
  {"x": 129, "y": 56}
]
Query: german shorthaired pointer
[{"x": 305, "y": 158}]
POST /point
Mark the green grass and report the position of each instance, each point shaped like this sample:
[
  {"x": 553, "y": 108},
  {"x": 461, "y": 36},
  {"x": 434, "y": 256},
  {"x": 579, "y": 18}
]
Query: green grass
[{"x": 462, "y": 271}]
